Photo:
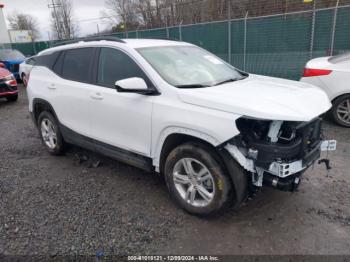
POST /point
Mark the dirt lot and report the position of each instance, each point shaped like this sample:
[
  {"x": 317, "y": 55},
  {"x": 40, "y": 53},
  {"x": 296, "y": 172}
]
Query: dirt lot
[{"x": 57, "y": 205}]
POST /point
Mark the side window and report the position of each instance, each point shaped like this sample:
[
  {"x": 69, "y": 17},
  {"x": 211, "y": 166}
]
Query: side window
[
  {"x": 57, "y": 68},
  {"x": 76, "y": 64},
  {"x": 115, "y": 65}
]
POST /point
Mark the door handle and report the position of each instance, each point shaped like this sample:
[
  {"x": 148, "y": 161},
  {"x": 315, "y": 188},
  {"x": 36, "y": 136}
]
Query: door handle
[
  {"x": 96, "y": 96},
  {"x": 51, "y": 86}
]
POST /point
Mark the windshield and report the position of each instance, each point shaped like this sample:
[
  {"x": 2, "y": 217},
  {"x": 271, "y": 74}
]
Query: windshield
[
  {"x": 8, "y": 54},
  {"x": 189, "y": 66}
]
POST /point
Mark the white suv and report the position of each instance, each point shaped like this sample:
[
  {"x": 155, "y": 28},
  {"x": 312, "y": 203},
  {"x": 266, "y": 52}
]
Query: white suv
[{"x": 212, "y": 131}]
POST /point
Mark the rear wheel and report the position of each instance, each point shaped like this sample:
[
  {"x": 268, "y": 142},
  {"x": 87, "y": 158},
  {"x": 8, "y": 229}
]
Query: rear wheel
[
  {"x": 197, "y": 181},
  {"x": 341, "y": 110},
  {"x": 50, "y": 133},
  {"x": 12, "y": 98}
]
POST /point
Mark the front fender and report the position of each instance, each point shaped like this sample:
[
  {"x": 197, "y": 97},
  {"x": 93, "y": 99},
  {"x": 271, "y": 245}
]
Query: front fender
[{"x": 184, "y": 131}]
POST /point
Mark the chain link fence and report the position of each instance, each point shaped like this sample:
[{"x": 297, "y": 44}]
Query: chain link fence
[{"x": 275, "y": 45}]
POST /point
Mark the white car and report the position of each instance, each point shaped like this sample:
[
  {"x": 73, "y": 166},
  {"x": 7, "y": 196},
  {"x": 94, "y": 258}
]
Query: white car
[
  {"x": 332, "y": 74},
  {"x": 25, "y": 68},
  {"x": 212, "y": 131}
]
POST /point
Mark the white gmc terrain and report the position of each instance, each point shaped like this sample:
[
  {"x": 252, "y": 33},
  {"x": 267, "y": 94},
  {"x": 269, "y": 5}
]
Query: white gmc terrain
[{"x": 213, "y": 131}]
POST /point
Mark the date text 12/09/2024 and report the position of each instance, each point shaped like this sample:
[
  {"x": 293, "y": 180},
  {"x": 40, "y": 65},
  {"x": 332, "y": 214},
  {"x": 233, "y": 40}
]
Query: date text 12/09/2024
[{"x": 173, "y": 258}]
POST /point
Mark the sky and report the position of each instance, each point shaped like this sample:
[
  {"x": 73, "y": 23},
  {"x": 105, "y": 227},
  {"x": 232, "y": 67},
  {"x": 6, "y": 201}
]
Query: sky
[{"x": 83, "y": 10}]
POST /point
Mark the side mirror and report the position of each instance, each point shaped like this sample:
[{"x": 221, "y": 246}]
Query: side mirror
[
  {"x": 2, "y": 65},
  {"x": 132, "y": 85}
]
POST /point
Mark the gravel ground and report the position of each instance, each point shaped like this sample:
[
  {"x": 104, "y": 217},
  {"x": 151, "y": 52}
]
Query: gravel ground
[{"x": 62, "y": 205}]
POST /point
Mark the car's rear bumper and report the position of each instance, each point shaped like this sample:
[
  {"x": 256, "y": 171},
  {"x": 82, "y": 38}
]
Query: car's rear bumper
[
  {"x": 7, "y": 89},
  {"x": 8, "y": 93}
]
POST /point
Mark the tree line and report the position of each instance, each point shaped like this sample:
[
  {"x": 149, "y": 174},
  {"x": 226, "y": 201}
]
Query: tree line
[{"x": 127, "y": 15}]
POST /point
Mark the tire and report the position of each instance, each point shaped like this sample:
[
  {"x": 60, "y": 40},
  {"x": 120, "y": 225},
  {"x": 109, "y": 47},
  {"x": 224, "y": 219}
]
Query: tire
[
  {"x": 12, "y": 98},
  {"x": 50, "y": 134},
  {"x": 218, "y": 184},
  {"x": 340, "y": 111},
  {"x": 24, "y": 80}
]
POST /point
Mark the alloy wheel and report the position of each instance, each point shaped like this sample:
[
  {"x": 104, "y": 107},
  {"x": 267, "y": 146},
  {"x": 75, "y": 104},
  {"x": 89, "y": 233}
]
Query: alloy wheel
[
  {"x": 343, "y": 111},
  {"x": 48, "y": 133},
  {"x": 194, "y": 182}
]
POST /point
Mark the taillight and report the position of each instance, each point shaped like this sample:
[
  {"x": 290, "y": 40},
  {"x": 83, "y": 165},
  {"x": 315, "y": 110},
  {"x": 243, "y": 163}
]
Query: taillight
[
  {"x": 316, "y": 72},
  {"x": 10, "y": 80},
  {"x": 13, "y": 82}
]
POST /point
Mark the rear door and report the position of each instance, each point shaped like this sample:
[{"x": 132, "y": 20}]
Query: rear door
[{"x": 71, "y": 88}]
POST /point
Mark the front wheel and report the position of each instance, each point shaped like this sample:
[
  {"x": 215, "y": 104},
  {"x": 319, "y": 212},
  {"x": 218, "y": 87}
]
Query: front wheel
[
  {"x": 341, "y": 110},
  {"x": 197, "y": 181}
]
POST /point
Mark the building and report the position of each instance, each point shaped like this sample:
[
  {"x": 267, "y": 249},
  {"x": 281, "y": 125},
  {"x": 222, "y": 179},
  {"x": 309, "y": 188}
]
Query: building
[{"x": 4, "y": 35}]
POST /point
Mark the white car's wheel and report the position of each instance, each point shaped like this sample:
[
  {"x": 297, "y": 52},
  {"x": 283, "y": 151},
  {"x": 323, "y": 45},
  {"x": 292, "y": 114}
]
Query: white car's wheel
[
  {"x": 50, "y": 133},
  {"x": 341, "y": 110},
  {"x": 197, "y": 181}
]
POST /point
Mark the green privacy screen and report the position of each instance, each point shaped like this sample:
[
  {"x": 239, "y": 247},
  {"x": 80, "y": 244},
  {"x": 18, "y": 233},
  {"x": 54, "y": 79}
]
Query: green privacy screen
[{"x": 277, "y": 45}]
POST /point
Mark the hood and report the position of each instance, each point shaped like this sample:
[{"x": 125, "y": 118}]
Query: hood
[{"x": 262, "y": 97}]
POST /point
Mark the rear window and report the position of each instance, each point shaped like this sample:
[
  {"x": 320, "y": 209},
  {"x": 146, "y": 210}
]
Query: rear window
[
  {"x": 339, "y": 58},
  {"x": 76, "y": 64},
  {"x": 8, "y": 54}
]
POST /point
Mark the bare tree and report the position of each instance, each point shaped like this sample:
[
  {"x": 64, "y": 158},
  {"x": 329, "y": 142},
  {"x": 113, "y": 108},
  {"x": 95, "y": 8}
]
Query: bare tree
[
  {"x": 123, "y": 11},
  {"x": 21, "y": 21},
  {"x": 62, "y": 20},
  {"x": 136, "y": 14}
]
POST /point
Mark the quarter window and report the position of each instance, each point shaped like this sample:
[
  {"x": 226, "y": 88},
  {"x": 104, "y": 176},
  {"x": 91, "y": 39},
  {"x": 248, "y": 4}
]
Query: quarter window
[
  {"x": 115, "y": 65},
  {"x": 76, "y": 64}
]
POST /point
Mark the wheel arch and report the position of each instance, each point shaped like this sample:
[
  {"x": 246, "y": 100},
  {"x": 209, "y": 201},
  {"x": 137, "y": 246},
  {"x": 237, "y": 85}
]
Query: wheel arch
[
  {"x": 239, "y": 179},
  {"x": 340, "y": 95},
  {"x": 175, "y": 139},
  {"x": 173, "y": 136},
  {"x": 40, "y": 105}
]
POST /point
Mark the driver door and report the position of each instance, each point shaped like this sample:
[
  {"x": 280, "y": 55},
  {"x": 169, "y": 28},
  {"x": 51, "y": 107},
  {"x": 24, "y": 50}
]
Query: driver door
[{"x": 120, "y": 120}]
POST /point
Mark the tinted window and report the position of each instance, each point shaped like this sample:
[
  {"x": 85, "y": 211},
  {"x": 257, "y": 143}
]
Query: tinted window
[
  {"x": 57, "y": 68},
  {"x": 76, "y": 64},
  {"x": 46, "y": 60},
  {"x": 115, "y": 65}
]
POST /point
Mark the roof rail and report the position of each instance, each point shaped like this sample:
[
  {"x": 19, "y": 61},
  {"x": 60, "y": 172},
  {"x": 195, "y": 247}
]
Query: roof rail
[
  {"x": 91, "y": 39},
  {"x": 164, "y": 38}
]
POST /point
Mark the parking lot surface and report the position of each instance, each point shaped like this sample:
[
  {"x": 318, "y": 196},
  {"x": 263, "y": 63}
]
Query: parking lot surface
[{"x": 83, "y": 203}]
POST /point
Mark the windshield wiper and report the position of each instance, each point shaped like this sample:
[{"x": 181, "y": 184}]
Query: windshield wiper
[
  {"x": 229, "y": 80},
  {"x": 192, "y": 86}
]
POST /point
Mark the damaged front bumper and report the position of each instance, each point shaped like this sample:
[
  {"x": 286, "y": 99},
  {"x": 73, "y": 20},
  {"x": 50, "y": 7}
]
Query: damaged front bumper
[{"x": 280, "y": 164}]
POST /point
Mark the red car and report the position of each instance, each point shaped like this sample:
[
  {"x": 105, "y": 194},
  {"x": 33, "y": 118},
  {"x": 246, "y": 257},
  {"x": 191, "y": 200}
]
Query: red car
[{"x": 8, "y": 85}]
